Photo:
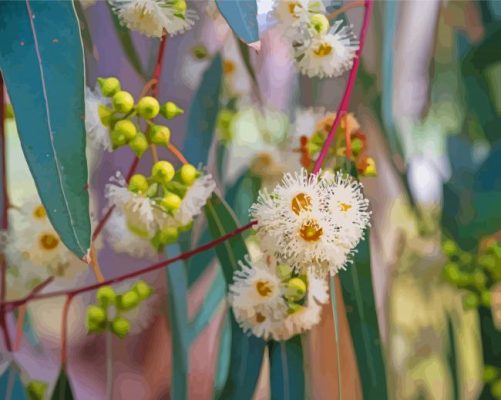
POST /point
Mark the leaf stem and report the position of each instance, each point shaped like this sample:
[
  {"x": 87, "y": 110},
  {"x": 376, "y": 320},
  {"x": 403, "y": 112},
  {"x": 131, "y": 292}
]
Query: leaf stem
[
  {"x": 177, "y": 153},
  {"x": 345, "y": 101},
  {"x": 94, "y": 263}
]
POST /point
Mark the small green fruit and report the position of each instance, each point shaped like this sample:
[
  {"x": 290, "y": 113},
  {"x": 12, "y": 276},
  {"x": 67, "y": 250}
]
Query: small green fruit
[
  {"x": 186, "y": 227},
  {"x": 105, "y": 114},
  {"x": 470, "y": 301},
  {"x": 295, "y": 289},
  {"x": 160, "y": 134},
  {"x": 120, "y": 327},
  {"x": 138, "y": 184},
  {"x": 479, "y": 279},
  {"x": 188, "y": 174},
  {"x": 319, "y": 23},
  {"x": 139, "y": 144},
  {"x": 294, "y": 307},
  {"x": 171, "y": 201},
  {"x": 118, "y": 139},
  {"x": 284, "y": 271},
  {"x": 106, "y": 296},
  {"x": 449, "y": 247},
  {"x": 109, "y": 86},
  {"x": 96, "y": 313},
  {"x": 485, "y": 298},
  {"x": 128, "y": 300},
  {"x": 490, "y": 373},
  {"x": 356, "y": 146},
  {"x": 143, "y": 290},
  {"x": 167, "y": 236},
  {"x": 200, "y": 52},
  {"x": 126, "y": 128},
  {"x": 180, "y": 7},
  {"x": 370, "y": 168},
  {"x": 36, "y": 390},
  {"x": 451, "y": 273},
  {"x": 163, "y": 171},
  {"x": 122, "y": 101},
  {"x": 496, "y": 389},
  {"x": 171, "y": 110},
  {"x": 148, "y": 107}
]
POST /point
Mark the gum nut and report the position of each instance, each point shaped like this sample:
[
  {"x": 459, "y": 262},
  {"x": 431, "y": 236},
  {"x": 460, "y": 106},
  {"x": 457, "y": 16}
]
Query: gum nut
[
  {"x": 163, "y": 171},
  {"x": 188, "y": 174},
  {"x": 160, "y": 134},
  {"x": 120, "y": 327},
  {"x": 138, "y": 184},
  {"x": 295, "y": 289},
  {"x": 148, "y": 107},
  {"x": 139, "y": 144},
  {"x": 143, "y": 290},
  {"x": 105, "y": 296},
  {"x": 96, "y": 314},
  {"x": 126, "y": 128},
  {"x": 128, "y": 300},
  {"x": 171, "y": 201},
  {"x": 109, "y": 86},
  {"x": 123, "y": 101}
]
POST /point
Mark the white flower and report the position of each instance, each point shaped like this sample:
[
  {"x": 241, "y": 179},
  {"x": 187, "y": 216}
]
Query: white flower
[
  {"x": 152, "y": 17},
  {"x": 346, "y": 205},
  {"x": 327, "y": 55},
  {"x": 98, "y": 134},
  {"x": 292, "y": 12},
  {"x": 125, "y": 240}
]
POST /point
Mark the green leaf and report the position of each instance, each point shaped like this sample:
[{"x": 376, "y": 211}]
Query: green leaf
[
  {"x": 335, "y": 318},
  {"x": 452, "y": 359},
  {"x": 358, "y": 296},
  {"x": 11, "y": 387},
  {"x": 42, "y": 64},
  {"x": 246, "y": 351},
  {"x": 63, "y": 390},
  {"x": 203, "y": 114},
  {"x": 223, "y": 362},
  {"x": 177, "y": 292},
  {"x": 287, "y": 369},
  {"x": 241, "y": 16},
  {"x": 128, "y": 47}
]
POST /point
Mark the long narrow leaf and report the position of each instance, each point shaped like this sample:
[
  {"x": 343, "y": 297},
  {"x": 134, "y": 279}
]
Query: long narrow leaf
[
  {"x": 63, "y": 390},
  {"x": 223, "y": 362},
  {"x": 241, "y": 16},
  {"x": 11, "y": 387},
  {"x": 335, "y": 316},
  {"x": 287, "y": 369}
]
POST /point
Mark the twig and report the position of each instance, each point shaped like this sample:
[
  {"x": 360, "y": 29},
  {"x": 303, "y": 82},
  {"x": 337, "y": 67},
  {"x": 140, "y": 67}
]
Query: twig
[
  {"x": 346, "y": 7},
  {"x": 347, "y": 136},
  {"x": 177, "y": 153},
  {"x": 94, "y": 263}
]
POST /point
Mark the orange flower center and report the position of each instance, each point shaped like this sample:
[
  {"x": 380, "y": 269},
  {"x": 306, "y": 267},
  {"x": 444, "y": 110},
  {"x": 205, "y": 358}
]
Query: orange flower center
[
  {"x": 344, "y": 207},
  {"x": 301, "y": 202},
  {"x": 39, "y": 212},
  {"x": 48, "y": 241},
  {"x": 324, "y": 49},
  {"x": 292, "y": 8},
  {"x": 264, "y": 288},
  {"x": 311, "y": 231},
  {"x": 228, "y": 67}
]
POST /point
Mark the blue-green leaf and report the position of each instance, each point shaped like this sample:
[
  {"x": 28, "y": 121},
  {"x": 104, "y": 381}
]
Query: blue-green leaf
[
  {"x": 63, "y": 390},
  {"x": 286, "y": 369},
  {"x": 246, "y": 351},
  {"x": 358, "y": 296},
  {"x": 335, "y": 318},
  {"x": 223, "y": 361},
  {"x": 241, "y": 16},
  {"x": 11, "y": 387},
  {"x": 179, "y": 327},
  {"x": 203, "y": 113},
  {"x": 42, "y": 64}
]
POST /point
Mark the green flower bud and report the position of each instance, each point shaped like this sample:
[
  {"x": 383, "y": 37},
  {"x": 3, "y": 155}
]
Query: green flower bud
[
  {"x": 295, "y": 289},
  {"x": 143, "y": 290},
  {"x": 370, "y": 168},
  {"x": 105, "y": 114},
  {"x": 106, "y": 296},
  {"x": 186, "y": 227},
  {"x": 188, "y": 174},
  {"x": 128, "y": 300},
  {"x": 319, "y": 23},
  {"x": 451, "y": 273},
  {"x": 170, "y": 110},
  {"x": 496, "y": 389},
  {"x": 284, "y": 271},
  {"x": 200, "y": 52},
  {"x": 139, "y": 144},
  {"x": 485, "y": 298},
  {"x": 294, "y": 307},
  {"x": 479, "y": 279},
  {"x": 148, "y": 107},
  {"x": 165, "y": 236},
  {"x": 123, "y": 102},
  {"x": 449, "y": 247},
  {"x": 490, "y": 373},
  {"x": 163, "y": 171},
  {"x": 95, "y": 319},
  {"x": 118, "y": 139},
  {"x": 160, "y": 134},
  {"x": 470, "y": 301},
  {"x": 109, "y": 86},
  {"x": 179, "y": 8},
  {"x": 171, "y": 202},
  {"x": 36, "y": 390},
  {"x": 126, "y": 128},
  {"x": 120, "y": 327},
  {"x": 356, "y": 146},
  {"x": 138, "y": 184}
]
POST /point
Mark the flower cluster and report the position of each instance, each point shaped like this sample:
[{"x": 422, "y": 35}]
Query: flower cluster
[
  {"x": 153, "y": 17},
  {"x": 274, "y": 302},
  {"x": 114, "y": 311},
  {"x": 320, "y": 49}
]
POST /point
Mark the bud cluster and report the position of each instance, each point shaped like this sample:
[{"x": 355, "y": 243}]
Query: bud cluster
[
  {"x": 295, "y": 287},
  {"x": 110, "y": 311}
]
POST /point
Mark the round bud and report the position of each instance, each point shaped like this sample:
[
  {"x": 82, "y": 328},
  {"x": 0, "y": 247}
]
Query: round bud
[
  {"x": 294, "y": 307},
  {"x": 295, "y": 289},
  {"x": 479, "y": 279},
  {"x": 126, "y": 128},
  {"x": 120, "y": 327},
  {"x": 163, "y": 171},
  {"x": 95, "y": 318},
  {"x": 106, "y": 296},
  {"x": 496, "y": 389},
  {"x": 170, "y": 110},
  {"x": 319, "y": 23},
  {"x": 370, "y": 168},
  {"x": 128, "y": 300},
  {"x": 470, "y": 301},
  {"x": 199, "y": 52},
  {"x": 284, "y": 271},
  {"x": 148, "y": 107},
  {"x": 485, "y": 298},
  {"x": 180, "y": 7},
  {"x": 139, "y": 144},
  {"x": 105, "y": 114},
  {"x": 171, "y": 201},
  {"x": 188, "y": 174},
  {"x": 143, "y": 290},
  {"x": 186, "y": 227},
  {"x": 449, "y": 247},
  {"x": 36, "y": 390},
  {"x": 451, "y": 273},
  {"x": 160, "y": 134},
  {"x": 138, "y": 184},
  {"x": 122, "y": 101},
  {"x": 118, "y": 139},
  {"x": 490, "y": 373},
  {"x": 109, "y": 86},
  {"x": 356, "y": 146},
  {"x": 167, "y": 235}
]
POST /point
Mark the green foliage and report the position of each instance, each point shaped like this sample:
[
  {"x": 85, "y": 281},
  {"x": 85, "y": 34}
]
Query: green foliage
[
  {"x": 241, "y": 17},
  {"x": 11, "y": 386},
  {"x": 287, "y": 369},
  {"x": 63, "y": 390}
]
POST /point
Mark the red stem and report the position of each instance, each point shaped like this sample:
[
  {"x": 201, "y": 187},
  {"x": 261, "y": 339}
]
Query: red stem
[
  {"x": 345, "y": 101},
  {"x": 157, "y": 72}
]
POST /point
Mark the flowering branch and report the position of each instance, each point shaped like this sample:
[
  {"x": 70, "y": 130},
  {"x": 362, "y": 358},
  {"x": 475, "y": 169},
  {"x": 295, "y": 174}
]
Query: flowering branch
[{"x": 345, "y": 101}]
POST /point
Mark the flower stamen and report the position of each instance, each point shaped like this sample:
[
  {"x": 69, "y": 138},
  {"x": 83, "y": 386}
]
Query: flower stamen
[
  {"x": 311, "y": 231},
  {"x": 301, "y": 202}
]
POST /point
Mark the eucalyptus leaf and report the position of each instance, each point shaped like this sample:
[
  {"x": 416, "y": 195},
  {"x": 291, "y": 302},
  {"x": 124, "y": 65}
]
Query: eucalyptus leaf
[
  {"x": 63, "y": 390},
  {"x": 11, "y": 387},
  {"x": 223, "y": 361},
  {"x": 41, "y": 60},
  {"x": 287, "y": 369},
  {"x": 241, "y": 16}
]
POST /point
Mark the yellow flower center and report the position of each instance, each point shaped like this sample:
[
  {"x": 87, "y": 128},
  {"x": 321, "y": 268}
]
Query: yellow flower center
[
  {"x": 39, "y": 212},
  {"x": 292, "y": 8},
  {"x": 228, "y": 67},
  {"x": 311, "y": 231},
  {"x": 264, "y": 288},
  {"x": 301, "y": 202},
  {"x": 323, "y": 50},
  {"x": 49, "y": 241},
  {"x": 260, "y": 318},
  {"x": 344, "y": 207}
]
